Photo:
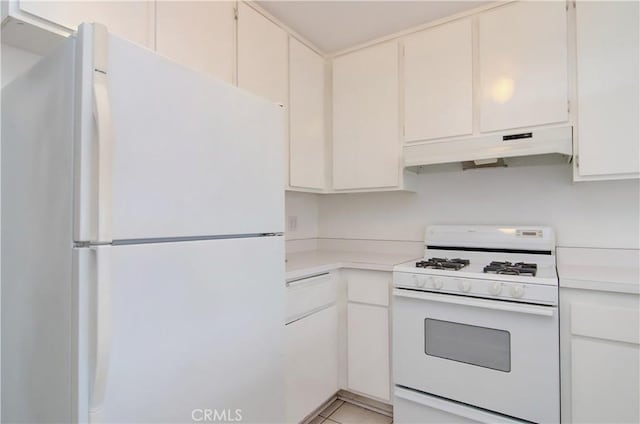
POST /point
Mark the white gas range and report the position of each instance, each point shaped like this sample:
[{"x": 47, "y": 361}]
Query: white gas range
[{"x": 476, "y": 327}]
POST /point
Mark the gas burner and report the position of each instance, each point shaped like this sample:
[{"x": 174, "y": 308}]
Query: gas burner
[
  {"x": 508, "y": 268},
  {"x": 443, "y": 263}
]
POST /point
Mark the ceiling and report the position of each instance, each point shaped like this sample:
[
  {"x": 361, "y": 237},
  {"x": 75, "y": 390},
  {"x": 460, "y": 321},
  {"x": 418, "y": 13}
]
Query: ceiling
[{"x": 336, "y": 25}]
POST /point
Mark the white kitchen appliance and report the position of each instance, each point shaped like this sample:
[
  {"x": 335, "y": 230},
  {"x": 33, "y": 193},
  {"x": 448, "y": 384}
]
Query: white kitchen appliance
[
  {"x": 142, "y": 257},
  {"x": 475, "y": 327}
]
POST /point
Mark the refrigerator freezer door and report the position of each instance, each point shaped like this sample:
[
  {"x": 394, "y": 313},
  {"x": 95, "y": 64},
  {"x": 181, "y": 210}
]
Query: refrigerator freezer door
[
  {"x": 191, "y": 154},
  {"x": 192, "y": 327}
]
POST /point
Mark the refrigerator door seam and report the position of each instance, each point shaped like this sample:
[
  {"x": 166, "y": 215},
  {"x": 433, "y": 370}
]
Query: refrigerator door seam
[{"x": 192, "y": 238}]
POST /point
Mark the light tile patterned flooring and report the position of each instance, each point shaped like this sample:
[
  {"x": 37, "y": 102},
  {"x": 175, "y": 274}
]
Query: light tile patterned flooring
[{"x": 345, "y": 413}]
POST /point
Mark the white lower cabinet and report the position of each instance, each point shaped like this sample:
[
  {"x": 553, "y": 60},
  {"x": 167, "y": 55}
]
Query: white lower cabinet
[
  {"x": 312, "y": 345},
  {"x": 312, "y": 363},
  {"x": 600, "y": 356},
  {"x": 338, "y": 337},
  {"x": 368, "y": 352}
]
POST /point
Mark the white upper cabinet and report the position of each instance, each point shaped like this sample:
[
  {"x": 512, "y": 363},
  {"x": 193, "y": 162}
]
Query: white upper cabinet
[
  {"x": 306, "y": 117},
  {"x": 366, "y": 145},
  {"x": 198, "y": 34},
  {"x": 522, "y": 49},
  {"x": 132, "y": 20},
  {"x": 438, "y": 82},
  {"x": 608, "y": 136},
  {"x": 262, "y": 56}
]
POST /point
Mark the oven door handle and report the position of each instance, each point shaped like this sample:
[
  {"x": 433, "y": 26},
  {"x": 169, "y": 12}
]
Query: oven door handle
[{"x": 477, "y": 303}]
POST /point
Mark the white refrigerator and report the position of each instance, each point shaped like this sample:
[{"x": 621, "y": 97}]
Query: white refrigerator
[{"x": 142, "y": 248}]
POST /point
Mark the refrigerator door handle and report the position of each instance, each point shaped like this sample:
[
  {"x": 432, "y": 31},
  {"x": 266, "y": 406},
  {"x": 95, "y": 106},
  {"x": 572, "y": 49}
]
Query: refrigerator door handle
[
  {"x": 102, "y": 328},
  {"x": 105, "y": 133}
]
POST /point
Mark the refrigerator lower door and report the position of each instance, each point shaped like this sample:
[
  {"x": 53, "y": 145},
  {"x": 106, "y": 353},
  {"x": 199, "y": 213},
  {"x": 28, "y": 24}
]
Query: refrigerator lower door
[
  {"x": 187, "y": 330},
  {"x": 164, "y": 151}
]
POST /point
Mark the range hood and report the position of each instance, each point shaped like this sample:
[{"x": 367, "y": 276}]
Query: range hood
[{"x": 487, "y": 149}]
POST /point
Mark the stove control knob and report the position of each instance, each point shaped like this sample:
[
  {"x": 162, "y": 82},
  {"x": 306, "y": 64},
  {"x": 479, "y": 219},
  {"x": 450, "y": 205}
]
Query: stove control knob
[
  {"x": 422, "y": 281},
  {"x": 495, "y": 288},
  {"x": 436, "y": 283},
  {"x": 464, "y": 285},
  {"x": 414, "y": 280},
  {"x": 517, "y": 290}
]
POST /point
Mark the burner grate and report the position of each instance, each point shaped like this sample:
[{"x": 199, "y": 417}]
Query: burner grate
[
  {"x": 443, "y": 263},
  {"x": 508, "y": 268}
]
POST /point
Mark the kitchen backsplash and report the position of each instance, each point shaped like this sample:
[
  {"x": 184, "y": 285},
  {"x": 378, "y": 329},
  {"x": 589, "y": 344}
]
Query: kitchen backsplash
[{"x": 590, "y": 214}]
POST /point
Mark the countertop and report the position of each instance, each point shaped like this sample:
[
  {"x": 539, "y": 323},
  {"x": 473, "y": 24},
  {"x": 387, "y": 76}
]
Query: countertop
[
  {"x": 302, "y": 264},
  {"x": 613, "y": 270}
]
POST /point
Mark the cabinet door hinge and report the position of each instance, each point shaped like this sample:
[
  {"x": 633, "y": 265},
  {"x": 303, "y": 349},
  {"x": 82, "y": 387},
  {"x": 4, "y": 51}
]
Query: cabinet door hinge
[
  {"x": 568, "y": 106},
  {"x": 235, "y": 13},
  {"x": 577, "y": 159}
]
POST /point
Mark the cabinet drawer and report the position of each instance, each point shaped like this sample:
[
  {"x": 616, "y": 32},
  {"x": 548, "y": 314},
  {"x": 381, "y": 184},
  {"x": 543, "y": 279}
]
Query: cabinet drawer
[
  {"x": 308, "y": 294},
  {"x": 602, "y": 322},
  {"x": 370, "y": 287}
]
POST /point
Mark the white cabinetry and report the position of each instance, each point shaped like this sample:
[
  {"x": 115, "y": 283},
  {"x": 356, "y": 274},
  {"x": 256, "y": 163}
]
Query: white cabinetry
[
  {"x": 198, "y": 34},
  {"x": 600, "y": 354},
  {"x": 438, "y": 82},
  {"x": 522, "y": 49},
  {"x": 132, "y": 20},
  {"x": 608, "y": 136},
  {"x": 368, "y": 352},
  {"x": 262, "y": 56},
  {"x": 312, "y": 363},
  {"x": 366, "y": 144},
  {"x": 306, "y": 117},
  {"x": 312, "y": 345}
]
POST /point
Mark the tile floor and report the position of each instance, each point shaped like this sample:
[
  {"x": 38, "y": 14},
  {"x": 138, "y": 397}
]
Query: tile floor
[{"x": 345, "y": 413}]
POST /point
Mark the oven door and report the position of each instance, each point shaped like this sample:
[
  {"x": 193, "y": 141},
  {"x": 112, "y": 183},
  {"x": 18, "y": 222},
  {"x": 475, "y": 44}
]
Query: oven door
[{"x": 497, "y": 355}]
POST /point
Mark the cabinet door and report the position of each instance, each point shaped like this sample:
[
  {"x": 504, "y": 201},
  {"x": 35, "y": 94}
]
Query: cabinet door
[
  {"x": 262, "y": 56},
  {"x": 132, "y": 20},
  {"x": 600, "y": 356},
  {"x": 368, "y": 350},
  {"x": 604, "y": 381},
  {"x": 523, "y": 65},
  {"x": 607, "y": 53},
  {"x": 306, "y": 117},
  {"x": 312, "y": 363},
  {"x": 366, "y": 148},
  {"x": 198, "y": 34},
  {"x": 438, "y": 82}
]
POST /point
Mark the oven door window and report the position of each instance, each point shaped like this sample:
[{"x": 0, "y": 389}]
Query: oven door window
[{"x": 470, "y": 344}]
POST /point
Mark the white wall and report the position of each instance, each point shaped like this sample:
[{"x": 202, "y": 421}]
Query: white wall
[
  {"x": 588, "y": 214},
  {"x": 304, "y": 206}
]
